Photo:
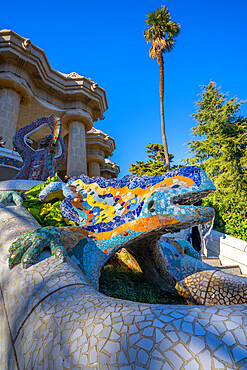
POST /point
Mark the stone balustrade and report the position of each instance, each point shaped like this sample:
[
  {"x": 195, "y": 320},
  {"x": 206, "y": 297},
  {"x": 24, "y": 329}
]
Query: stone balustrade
[
  {"x": 230, "y": 250},
  {"x": 30, "y": 88},
  {"x": 110, "y": 169},
  {"x": 99, "y": 147},
  {"x": 11, "y": 161}
]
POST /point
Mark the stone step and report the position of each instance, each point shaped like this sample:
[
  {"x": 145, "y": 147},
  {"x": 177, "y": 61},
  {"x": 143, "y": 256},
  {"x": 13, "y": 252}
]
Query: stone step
[
  {"x": 234, "y": 269},
  {"x": 212, "y": 261},
  {"x": 215, "y": 261}
]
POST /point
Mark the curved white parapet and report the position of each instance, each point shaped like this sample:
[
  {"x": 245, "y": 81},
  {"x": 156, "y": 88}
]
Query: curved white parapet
[
  {"x": 230, "y": 250},
  {"x": 10, "y": 163},
  {"x": 16, "y": 185},
  {"x": 52, "y": 318},
  {"x": 10, "y": 158},
  {"x": 14, "y": 154}
]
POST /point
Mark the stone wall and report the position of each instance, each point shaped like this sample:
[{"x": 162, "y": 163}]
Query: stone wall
[{"x": 230, "y": 250}]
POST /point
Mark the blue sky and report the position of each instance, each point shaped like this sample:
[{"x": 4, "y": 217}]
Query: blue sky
[{"x": 104, "y": 40}]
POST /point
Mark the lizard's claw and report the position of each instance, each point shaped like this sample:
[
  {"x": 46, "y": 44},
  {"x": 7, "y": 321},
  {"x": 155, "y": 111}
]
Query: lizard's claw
[
  {"x": 28, "y": 247},
  {"x": 7, "y": 197}
]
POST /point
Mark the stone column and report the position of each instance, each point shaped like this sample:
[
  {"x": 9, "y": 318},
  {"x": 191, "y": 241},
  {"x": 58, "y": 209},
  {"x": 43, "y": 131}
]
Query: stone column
[
  {"x": 9, "y": 110},
  {"x": 93, "y": 169},
  {"x": 77, "y": 158},
  {"x": 95, "y": 160},
  {"x": 14, "y": 91},
  {"x": 99, "y": 147},
  {"x": 110, "y": 170},
  {"x": 106, "y": 175}
]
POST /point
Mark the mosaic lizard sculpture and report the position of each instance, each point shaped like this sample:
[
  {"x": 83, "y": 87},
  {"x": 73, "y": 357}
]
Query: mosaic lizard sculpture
[
  {"x": 52, "y": 317},
  {"x": 132, "y": 213},
  {"x": 41, "y": 163}
]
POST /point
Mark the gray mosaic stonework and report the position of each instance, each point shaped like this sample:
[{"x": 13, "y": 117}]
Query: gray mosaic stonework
[{"x": 52, "y": 318}]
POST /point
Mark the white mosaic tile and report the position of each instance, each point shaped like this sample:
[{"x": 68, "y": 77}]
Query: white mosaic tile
[
  {"x": 174, "y": 359},
  {"x": 142, "y": 357},
  {"x": 196, "y": 345},
  {"x": 205, "y": 359},
  {"x": 182, "y": 351},
  {"x": 77, "y": 326},
  {"x": 223, "y": 354}
]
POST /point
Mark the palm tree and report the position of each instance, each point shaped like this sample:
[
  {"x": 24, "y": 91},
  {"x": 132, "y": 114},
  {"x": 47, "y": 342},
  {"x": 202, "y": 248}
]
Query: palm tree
[{"x": 161, "y": 33}]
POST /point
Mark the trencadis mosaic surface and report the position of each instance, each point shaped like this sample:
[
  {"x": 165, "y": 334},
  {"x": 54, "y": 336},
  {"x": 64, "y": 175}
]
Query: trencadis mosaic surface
[{"x": 57, "y": 319}]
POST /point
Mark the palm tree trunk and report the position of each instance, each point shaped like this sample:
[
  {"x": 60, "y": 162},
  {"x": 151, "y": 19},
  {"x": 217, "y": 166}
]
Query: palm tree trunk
[{"x": 161, "y": 67}]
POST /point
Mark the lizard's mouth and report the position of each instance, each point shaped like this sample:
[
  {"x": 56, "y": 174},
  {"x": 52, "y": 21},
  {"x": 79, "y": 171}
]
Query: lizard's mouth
[
  {"x": 191, "y": 197},
  {"x": 187, "y": 211},
  {"x": 183, "y": 210}
]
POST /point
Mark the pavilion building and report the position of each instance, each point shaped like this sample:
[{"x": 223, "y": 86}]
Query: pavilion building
[{"x": 30, "y": 88}]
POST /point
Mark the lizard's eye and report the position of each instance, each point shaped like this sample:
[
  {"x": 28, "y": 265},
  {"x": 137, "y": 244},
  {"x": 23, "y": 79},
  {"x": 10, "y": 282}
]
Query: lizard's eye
[{"x": 151, "y": 206}]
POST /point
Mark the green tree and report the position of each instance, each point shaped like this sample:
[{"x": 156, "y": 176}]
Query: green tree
[
  {"x": 220, "y": 144},
  {"x": 155, "y": 165},
  {"x": 161, "y": 33},
  {"x": 230, "y": 212}
]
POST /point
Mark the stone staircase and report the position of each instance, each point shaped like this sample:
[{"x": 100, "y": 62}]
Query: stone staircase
[{"x": 230, "y": 269}]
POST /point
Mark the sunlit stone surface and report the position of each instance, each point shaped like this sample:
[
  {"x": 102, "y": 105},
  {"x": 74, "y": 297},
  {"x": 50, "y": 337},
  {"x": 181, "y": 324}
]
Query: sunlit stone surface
[{"x": 52, "y": 317}]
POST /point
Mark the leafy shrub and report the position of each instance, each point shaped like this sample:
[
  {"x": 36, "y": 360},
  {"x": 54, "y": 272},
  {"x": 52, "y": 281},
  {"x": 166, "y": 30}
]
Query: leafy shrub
[
  {"x": 47, "y": 214},
  {"x": 123, "y": 283},
  {"x": 230, "y": 213}
]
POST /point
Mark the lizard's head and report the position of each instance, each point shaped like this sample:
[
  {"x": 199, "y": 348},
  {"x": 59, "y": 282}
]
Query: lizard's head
[
  {"x": 132, "y": 206},
  {"x": 45, "y": 141},
  {"x": 175, "y": 202}
]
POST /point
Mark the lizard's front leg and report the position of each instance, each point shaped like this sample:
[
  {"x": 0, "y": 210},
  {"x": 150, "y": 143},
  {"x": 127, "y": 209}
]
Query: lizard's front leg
[
  {"x": 28, "y": 247},
  {"x": 7, "y": 197}
]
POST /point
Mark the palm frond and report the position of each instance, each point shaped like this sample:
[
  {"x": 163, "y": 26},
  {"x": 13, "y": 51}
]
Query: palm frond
[{"x": 161, "y": 32}]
